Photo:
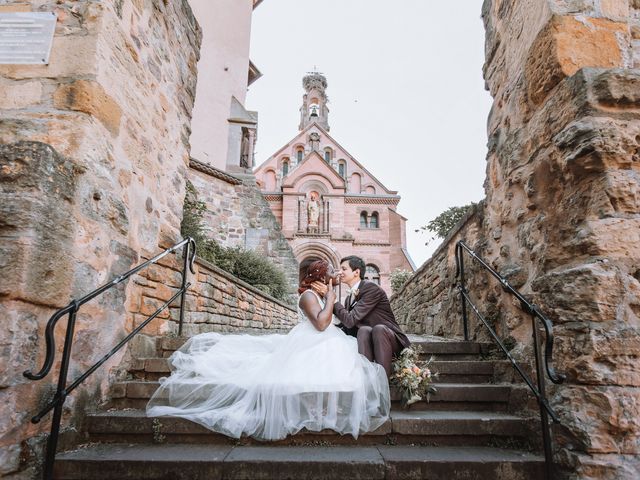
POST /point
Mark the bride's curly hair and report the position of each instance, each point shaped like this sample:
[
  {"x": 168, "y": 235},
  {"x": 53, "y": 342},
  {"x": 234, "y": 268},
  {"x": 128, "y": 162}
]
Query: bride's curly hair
[{"x": 317, "y": 271}]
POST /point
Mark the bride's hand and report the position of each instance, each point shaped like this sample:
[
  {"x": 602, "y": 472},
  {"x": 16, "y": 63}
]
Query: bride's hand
[
  {"x": 330, "y": 296},
  {"x": 320, "y": 288}
]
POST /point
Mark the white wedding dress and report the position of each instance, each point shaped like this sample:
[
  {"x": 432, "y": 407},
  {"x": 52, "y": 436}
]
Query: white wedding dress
[{"x": 271, "y": 386}]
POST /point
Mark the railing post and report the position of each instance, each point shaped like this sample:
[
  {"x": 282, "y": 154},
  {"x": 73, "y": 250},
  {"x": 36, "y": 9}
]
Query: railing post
[
  {"x": 463, "y": 300},
  {"x": 61, "y": 395},
  {"x": 544, "y": 419},
  {"x": 185, "y": 265}
]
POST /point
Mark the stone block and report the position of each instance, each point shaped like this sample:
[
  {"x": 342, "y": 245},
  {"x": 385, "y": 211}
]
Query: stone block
[
  {"x": 599, "y": 419},
  {"x": 90, "y": 97},
  {"x": 615, "y": 9},
  {"x": 598, "y": 466},
  {"x": 20, "y": 95},
  {"x": 9, "y": 459},
  {"x": 565, "y": 46},
  {"x": 36, "y": 185},
  {"x": 72, "y": 56},
  {"x": 583, "y": 293}
]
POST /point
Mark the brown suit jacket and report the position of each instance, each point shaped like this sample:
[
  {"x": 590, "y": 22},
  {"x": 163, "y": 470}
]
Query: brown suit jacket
[{"x": 371, "y": 308}]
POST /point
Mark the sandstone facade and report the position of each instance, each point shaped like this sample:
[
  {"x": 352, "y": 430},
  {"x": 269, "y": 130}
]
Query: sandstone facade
[
  {"x": 93, "y": 167},
  {"x": 562, "y": 213},
  {"x": 327, "y": 203}
]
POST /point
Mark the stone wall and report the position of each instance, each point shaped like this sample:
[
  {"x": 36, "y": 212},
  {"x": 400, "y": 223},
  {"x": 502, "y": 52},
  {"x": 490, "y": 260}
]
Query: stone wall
[
  {"x": 429, "y": 303},
  {"x": 561, "y": 217},
  {"x": 216, "y": 302},
  {"x": 238, "y": 215},
  {"x": 92, "y": 172},
  {"x": 563, "y": 202}
]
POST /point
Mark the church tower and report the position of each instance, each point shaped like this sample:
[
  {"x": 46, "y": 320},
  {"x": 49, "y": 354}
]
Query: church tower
[
  {"x": 328, "y": 204},
  {"x": 314, "y": 101}
]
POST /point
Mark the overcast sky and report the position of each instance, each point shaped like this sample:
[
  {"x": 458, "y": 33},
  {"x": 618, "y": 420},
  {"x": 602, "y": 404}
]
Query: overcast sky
[{"x": 406, "y": 93}]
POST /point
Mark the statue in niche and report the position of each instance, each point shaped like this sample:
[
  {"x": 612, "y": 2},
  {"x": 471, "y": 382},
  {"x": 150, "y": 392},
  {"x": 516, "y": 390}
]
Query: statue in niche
[
  {"x": 313, "y": 213},
  {"x": 314, "y": 139}
]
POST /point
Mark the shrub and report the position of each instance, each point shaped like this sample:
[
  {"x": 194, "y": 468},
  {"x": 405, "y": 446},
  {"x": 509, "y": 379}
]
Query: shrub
[
  {"x": 398, "y": 278},
  {"x": 247, "y": 265},
  {"x": 444, "y": 223}
]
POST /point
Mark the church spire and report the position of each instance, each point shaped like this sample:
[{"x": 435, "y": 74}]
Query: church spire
[{"x": 314, "y": 101}]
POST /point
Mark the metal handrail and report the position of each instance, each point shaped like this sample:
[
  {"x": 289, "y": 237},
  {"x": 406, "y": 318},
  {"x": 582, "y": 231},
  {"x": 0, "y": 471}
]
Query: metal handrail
[
  {"x": 536, "y": 315},
  {"x": 63, "y": 390}
]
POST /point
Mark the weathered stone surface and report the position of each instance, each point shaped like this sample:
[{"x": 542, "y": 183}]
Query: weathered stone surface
[
  {"x": 93, "y": 162},
  {"x": 89, "y": 97},
  {"x": 22, "y": 95},
  {"x": 598, "y": 467},
  {"x": 561, "y": 216},
  {"x": 37, "y": 188},
  {"x": 9, "y": 459},
  {"x": 238, "y": 215}
]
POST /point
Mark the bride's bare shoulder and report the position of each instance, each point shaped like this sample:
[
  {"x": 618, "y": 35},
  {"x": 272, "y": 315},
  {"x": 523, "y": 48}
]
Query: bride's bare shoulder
[{"x": 307, "y": 297}]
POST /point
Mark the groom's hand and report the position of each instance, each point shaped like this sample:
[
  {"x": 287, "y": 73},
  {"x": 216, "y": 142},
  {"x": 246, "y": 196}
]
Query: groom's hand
[{"x": 320, "y": 288}]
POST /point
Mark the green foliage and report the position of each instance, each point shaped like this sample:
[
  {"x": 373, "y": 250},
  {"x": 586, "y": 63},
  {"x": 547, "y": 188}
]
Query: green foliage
[
  {"x": 444, "y": 223},
  {"x": 398, "y": 278},
  {"x": 247, "y": 265}
]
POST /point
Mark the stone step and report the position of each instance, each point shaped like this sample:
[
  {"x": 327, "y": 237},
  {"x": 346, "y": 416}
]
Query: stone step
[
  {"x": 404, "y": 427},
  {"x": 430, "y": 346},
  {"x": 210, "y": 462},
  {"x": 448, "y": 371},
  {"x": 450, "y": 396}
]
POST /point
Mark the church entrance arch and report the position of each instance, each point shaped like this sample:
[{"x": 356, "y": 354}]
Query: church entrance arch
[{"x": 307, "y": 252}]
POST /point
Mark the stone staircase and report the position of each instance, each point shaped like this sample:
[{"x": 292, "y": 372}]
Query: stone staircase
[{"x": 469, "y": 430}]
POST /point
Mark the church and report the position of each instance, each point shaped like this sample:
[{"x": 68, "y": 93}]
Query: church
[{"x": 328, "y": 204}]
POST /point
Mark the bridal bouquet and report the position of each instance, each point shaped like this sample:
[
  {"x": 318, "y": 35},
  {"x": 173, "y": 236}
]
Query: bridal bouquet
[{"x": 413, "y": 378}]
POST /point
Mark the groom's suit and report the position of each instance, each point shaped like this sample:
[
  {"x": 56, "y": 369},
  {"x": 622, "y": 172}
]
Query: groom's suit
[
  {"x": 370, "y": 313},
  {"x": 349, "y": 303}
]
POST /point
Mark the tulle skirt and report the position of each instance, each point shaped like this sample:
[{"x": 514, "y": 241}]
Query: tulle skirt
[{"x": 271, "y": 386}]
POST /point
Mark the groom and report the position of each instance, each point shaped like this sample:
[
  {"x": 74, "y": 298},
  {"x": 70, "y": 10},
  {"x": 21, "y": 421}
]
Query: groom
[{"x": 367, "y": 309}]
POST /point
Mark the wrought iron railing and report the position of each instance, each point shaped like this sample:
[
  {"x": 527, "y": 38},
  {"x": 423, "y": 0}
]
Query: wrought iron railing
[
  {"x": 63, "y": 390},
  {"x": 536, "y": 316}
]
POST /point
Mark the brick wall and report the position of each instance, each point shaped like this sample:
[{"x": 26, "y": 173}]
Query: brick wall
[{"x": 215, "y": 302}]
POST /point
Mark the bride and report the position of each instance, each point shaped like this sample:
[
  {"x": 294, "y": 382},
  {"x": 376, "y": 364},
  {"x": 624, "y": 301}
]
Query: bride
[{"x": 271, "y": 386}]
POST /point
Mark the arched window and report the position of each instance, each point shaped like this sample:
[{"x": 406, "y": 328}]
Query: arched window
[
  {"x": 342, "y": 169},
  {"x": 314, "y": 108},
  {"x": 327, "y": 155},
  {"x": 370, "y": 189},
  {"x": 285, "y": 167},
  {"x": 372, "y": 274},
  {"x": 374, "y": 220},
  {"x": 363, "y": 220},
  {"x": 299, "y": 154}
]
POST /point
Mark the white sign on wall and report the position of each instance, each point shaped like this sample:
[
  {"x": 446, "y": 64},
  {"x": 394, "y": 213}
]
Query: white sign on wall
[{"x": 26, "y": 37}]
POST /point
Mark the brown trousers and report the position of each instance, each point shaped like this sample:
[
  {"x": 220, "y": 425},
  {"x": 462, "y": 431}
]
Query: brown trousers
[{"x": 379, "y": 344}]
